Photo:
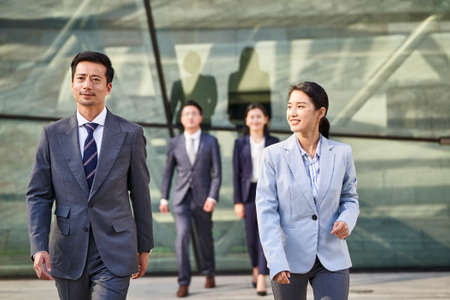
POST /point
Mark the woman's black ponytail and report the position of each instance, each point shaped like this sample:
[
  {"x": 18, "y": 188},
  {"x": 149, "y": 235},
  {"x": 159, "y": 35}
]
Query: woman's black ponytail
[{"x": 324, "y": 127}]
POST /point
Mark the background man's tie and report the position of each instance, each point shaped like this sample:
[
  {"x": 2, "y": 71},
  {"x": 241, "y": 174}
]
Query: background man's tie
[
  {"x": 90, "y": 154},
  {"x": 191, "y": 148}
]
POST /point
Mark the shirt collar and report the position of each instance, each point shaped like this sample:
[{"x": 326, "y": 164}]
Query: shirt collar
[
  {"x": 99, "y": 119},
  {"x": 304, "y": 153},
  {"x": 195, "y": 136},
  {"x": 263, "y": 141}
]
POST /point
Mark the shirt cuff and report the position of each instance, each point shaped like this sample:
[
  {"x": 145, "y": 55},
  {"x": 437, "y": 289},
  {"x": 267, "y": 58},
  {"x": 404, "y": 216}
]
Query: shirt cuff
[
  {"x": 34, "y": 255},
  {"x": 163, "y": 202},
  {"x": 211, "y": 199}
]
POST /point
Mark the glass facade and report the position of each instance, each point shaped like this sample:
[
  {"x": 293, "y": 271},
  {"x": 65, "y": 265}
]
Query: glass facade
[{"x": 385, "y": 66}]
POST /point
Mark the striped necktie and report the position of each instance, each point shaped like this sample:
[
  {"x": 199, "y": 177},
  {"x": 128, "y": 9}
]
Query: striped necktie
[{"x": 90, "y": 154}]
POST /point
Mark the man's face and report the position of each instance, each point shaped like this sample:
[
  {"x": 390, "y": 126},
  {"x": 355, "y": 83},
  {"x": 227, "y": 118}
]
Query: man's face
[
  {"x": 89, "y": 84},
  {"x": 191, "y": 117}
]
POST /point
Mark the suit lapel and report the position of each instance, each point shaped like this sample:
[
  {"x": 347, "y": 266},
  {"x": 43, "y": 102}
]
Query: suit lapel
[
  {"x": 200, "y": 148},
  {"x": 295, "y": 162},
  {"x": 267, "y": 141},
  {"x": 326, "y": 168},
  {"x": 70, "y": 147},
  {"x": 112, "y": 141},
  {"x": 247, "y": 155}
]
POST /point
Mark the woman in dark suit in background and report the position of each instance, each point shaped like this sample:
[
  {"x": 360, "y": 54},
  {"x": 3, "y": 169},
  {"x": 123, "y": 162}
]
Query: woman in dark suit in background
[{"x": 246, "y": 160}]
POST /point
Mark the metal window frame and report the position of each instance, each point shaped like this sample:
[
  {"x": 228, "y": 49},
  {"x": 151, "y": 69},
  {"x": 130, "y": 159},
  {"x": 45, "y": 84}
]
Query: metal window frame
[
  {"x": 159, "y": 69},
  {"x": 170, "y": 127}
]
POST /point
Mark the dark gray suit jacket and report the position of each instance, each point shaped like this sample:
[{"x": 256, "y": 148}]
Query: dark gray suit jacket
[
  {"x": 204, "y": 176},
  {"x": 58, "y": 177}
]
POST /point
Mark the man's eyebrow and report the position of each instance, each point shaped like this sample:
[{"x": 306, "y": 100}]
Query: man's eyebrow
[
  {"x": 84, "y": 74},
  {"x": 297, "y": 102}
]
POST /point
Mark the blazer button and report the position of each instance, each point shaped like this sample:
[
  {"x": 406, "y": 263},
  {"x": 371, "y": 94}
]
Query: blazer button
[{"x": 314, "y": 217}]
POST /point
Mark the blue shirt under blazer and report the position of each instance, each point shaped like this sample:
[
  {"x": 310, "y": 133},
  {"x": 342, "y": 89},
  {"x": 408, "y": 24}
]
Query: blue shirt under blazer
[
  {"x": 290, "y": 234},
  {"x": 243, "y": 168}
]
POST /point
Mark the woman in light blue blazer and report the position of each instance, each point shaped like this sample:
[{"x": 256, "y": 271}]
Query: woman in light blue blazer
[{"x": 306, "y": 202}]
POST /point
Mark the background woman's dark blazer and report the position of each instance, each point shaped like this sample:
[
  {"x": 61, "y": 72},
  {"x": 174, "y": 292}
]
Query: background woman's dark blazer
[{"x": 242, "y": 166}]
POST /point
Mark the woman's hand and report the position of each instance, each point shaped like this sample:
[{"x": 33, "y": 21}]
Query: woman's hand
[
  {"x": 164, "y": 208},
  {"x": 283, "y": 277},
  {"x": 239, "y": 210},
  {"x": 340, "y": 229}
]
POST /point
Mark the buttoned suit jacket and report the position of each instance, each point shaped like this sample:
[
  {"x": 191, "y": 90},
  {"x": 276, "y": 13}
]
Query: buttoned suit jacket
[
  {"x": 121, "y": 228},
  {"x": 204, "y": 176},
  {"x": 293, "y": 229},
  {"x": 243, "y": 166}
]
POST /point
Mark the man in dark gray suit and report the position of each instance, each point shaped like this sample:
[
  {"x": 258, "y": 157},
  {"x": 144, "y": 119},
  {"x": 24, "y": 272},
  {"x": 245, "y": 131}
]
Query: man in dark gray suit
[
  {"x": 196, "y": 156},
  {"x": 90, "y": 166}
]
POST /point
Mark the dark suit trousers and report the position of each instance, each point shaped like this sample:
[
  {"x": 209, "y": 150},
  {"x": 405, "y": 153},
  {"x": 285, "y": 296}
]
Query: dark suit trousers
[
  {"x": 96, "y": 282},
  {"x": 327, "y": 285},
  {"x": 200, "y": 221},
  {"x": 251, "y": 229}
]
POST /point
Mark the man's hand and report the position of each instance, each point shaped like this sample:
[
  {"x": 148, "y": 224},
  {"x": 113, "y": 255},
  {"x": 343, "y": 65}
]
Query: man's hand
[
  {"x": 209, "y": 206},
  {"x": 143, "y": 264},
  {"x": 283, "y": 277},
  {"x": 239, "y": 210},
  {"x": 164, "y": 208},
  {"x": 340, "y": 229},
  {"x": 42, "y": 265}
]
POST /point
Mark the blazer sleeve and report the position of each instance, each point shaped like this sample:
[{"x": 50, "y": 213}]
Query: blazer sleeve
[
  {"x": 40, "y": 197},
  {"x": 237, "y": 173},
  {"x": 270, "y": 232},
  {"x": 168, "y": 171},
  {"x": 216, "y": 174},
  {"x": 138, "y": 181},
  {"x": 349, "y": 205}
]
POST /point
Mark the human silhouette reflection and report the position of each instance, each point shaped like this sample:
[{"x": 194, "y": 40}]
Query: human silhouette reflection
[
  {"x": 248, "y": 85},
  {"x": 201, "y": 88}
]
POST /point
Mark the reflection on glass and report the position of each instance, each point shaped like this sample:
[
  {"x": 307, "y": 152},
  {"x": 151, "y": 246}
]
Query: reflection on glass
[
  {"x": 249, "y": 84},
  {"x": 199, "y": 87},
  {"x": 403, "y": 195},
  {"x": 39, "y": 42},
  {"x": 418, "y": 107}
]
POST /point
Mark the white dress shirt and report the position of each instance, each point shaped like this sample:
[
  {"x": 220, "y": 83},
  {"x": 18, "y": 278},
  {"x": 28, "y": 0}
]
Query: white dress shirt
[
  {"x": 98, "y": 132},
  {"x": 188, "y": 137},
  {"x": 256, "y": 150}
]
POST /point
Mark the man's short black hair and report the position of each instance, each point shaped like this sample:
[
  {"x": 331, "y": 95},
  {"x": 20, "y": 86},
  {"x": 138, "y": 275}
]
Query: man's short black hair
[
  {"x": 95, "y": 57},
  {"x": 192, "y": 103}
]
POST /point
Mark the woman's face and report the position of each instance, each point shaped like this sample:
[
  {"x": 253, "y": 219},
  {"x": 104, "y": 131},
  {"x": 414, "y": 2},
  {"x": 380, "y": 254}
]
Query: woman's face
[
  {"x": 256, "y": 119},
  {"x": 301, "y": 113}
]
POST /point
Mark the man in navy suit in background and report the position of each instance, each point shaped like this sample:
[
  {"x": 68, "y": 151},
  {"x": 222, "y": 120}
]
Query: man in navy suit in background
[{"x": 196, "y": 156}]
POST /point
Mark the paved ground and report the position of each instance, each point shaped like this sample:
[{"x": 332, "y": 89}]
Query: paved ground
[{"x": 363, "y": 286}]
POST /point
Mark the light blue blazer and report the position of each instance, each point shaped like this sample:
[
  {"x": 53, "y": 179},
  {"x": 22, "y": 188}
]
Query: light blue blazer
[{"x": 294, "y": 230}]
